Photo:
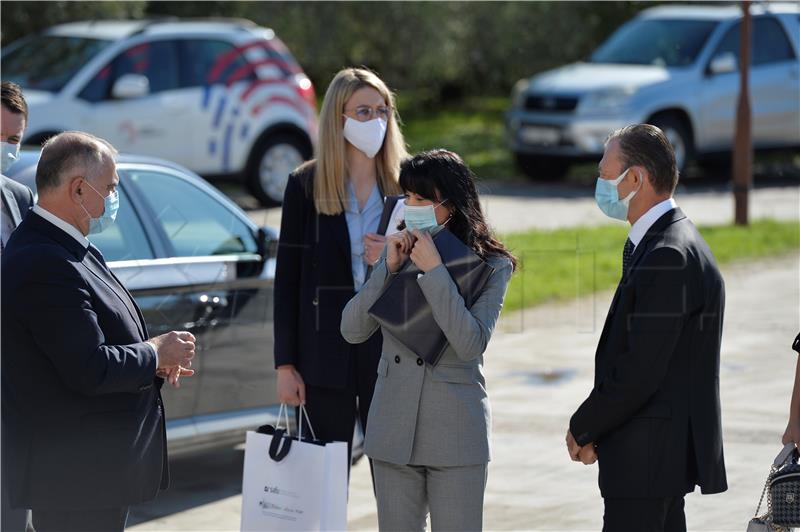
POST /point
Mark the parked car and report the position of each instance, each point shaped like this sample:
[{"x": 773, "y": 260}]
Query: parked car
[
  {"x": 224, "y": 98},
  {"x": 675, "y": 66}
]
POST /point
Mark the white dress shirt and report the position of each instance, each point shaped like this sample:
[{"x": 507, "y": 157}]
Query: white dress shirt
[
  {"x": 67, "y": 227},
  {"x": 647, "y": 220}
]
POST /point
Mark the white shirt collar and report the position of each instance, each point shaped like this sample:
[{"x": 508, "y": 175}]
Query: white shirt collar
[
  {"x": 68, "y": 228},
  {"x": 647, "y": 220}
]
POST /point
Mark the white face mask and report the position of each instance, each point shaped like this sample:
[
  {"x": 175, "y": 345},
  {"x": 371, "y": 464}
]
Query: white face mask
[
  {"x": 366, "y": 136},
  {"x": 9, "y": 153}
]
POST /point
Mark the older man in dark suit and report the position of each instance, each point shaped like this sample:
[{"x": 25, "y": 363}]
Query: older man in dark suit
[
  {"x": 653, "y": 416},
  {"x": 81, "y": 381}
]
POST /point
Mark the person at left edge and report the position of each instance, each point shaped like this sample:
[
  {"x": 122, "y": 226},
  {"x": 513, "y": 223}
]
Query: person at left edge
[
  {"x": 16, "y": 201},
  {"x": 81, "y": 382}
]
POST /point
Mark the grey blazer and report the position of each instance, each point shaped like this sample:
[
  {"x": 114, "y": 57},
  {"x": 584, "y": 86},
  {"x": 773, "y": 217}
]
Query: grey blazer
[
  {"x": 431, "y": 416},
  {"x": 17, "y": 198}
]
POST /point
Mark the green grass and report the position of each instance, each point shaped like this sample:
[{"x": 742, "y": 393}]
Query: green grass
[
  {"x": 475, "y": 130},
  {"x": 568, "y": 263}
]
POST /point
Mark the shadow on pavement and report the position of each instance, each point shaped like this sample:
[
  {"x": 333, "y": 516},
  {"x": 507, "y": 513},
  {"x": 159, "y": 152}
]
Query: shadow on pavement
[{"x": 195, "y": 480}]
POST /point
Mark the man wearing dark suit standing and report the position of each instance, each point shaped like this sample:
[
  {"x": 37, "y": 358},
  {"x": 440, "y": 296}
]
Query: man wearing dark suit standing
[
  {"x": 653, "y": 417},
  {"x": 81, "y": 382}
]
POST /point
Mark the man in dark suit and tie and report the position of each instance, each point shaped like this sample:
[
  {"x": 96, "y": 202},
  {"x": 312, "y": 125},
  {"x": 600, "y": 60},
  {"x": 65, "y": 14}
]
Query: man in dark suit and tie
[
  {"x": 81, "y": 382},
  {"x": 653, "y": 417}
]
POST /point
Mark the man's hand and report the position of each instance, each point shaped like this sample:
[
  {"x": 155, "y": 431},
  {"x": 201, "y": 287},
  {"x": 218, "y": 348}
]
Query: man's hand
[
  {"x": 291, "y": 388},
  {"x": 588, "y": 454},
  {"x": 373, "y": 247},
  {"x": 175, "y": 348},
  {"x": 424, "y": 253},
  {"x": 173, "y": 375},
  {"x": 573, "y": 448}
]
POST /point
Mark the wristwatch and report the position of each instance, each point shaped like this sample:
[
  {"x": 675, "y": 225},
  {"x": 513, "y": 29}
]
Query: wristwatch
[{"x": 796, "y": 344}]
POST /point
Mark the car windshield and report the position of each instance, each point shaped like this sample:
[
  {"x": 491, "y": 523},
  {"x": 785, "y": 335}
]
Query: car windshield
[
  {"x": 48, "y": 62},
  {"x": 661, "y": 42}
]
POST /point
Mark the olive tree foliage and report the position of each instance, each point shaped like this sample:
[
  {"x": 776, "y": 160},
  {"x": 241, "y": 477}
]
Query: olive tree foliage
[{"x": 433, "y": 50}]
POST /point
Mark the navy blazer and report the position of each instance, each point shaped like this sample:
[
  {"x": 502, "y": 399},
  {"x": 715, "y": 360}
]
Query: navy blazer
[
  {"x": 654, "y": 412},
  {"x": 313, "y": 283},
  {"x": 81, "y": 401}
]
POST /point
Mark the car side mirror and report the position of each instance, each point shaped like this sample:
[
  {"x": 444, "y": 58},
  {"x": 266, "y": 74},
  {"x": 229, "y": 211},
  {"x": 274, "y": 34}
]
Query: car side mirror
[
  {"x": 129, "y": 86},
  {"x": 267, "y": 240},
  {"x": 723, "y": 63}
]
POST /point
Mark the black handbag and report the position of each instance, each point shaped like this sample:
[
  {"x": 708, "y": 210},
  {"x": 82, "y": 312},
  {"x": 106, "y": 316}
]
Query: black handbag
[
  {"x": 403, "y": 311},
  {"x": 783, "y": 494}
]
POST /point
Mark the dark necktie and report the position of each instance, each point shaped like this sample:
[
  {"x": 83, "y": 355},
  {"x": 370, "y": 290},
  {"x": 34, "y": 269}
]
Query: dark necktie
[
  {"x": 99, "y": 256},
  {"x": 627, "y": 253}
]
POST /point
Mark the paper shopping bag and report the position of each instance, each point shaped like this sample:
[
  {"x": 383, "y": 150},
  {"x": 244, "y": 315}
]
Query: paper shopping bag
[{"x": 292, "y": 484}]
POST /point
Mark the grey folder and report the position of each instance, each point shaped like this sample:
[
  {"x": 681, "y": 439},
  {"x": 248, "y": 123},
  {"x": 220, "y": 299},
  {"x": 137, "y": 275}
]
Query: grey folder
[{"x": 403, "y": 310}]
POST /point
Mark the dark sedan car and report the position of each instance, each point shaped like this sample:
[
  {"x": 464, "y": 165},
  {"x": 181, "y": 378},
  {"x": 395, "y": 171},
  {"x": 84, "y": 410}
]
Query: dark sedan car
[{"x": 194, "y": 261}]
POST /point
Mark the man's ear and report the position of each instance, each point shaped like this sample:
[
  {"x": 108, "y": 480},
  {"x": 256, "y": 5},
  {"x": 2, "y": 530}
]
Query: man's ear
[{"x": 76, "y": 189}]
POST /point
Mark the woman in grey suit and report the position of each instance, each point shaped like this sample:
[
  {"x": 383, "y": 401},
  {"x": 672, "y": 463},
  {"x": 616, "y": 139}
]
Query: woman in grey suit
[{"x": 429, "y": 426}]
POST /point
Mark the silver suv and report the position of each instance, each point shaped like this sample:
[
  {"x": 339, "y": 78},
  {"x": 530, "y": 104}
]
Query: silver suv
[{"x": 673, "y": 66}]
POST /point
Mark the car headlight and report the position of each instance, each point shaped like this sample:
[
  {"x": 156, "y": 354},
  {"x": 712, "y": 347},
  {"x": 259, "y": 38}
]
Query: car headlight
[
  {"x": 606, "y": 100},
  {"x": 519, "y": 93}
]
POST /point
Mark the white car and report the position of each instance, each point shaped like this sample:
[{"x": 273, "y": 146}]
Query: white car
[
  {"x": 225, "y": 98},
  {"x": 675, "y": 66}
]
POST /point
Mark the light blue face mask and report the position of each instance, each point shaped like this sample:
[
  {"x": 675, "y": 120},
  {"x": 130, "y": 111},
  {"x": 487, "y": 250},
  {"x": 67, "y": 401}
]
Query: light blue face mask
[
  {"x": 606, "y": 193},
  {"x": 9, "y": 153},
  {"x": 110, "y": 208},
  {"x": 421, "y": 217}
]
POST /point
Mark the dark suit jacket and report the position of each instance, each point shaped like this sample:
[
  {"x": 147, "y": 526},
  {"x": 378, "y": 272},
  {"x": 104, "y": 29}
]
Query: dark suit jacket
[
  {"x": 80, "y": 397},
  {"x": 18, "y": 198},
  {"x": 654, "y": 412},
  {"x": 313, "y": 283}
]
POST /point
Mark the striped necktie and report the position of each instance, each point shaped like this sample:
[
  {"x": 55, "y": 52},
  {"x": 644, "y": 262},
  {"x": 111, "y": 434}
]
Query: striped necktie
[{"x": 627, "y": 253}]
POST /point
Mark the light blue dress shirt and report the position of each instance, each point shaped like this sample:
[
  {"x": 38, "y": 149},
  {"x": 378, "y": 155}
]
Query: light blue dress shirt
[{"x": 359, "y": 223}]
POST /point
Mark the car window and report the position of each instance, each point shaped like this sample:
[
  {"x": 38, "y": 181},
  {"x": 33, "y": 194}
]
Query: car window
[
  {"x": 769, "y": 42},
  {"x": 207, "y": 62},
  {"x": 158, "y": 60},
  {"x": 125, "y": 238},
  {"x": 661, "y": 42},
  {"x": 48, "y": 62},
  {"x": 195, "y": 222}
]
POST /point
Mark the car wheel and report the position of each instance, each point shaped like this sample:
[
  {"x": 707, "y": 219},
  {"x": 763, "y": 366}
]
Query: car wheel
[
  {"x": 271, "y": 162},
  {"x": 679, "y": 137},
  {"x": 542, "y": 168}
]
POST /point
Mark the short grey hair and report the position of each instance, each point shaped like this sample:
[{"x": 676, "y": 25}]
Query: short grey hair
[
  {"x": 72, "y": 154},
  {"x": 646, "y": 145}
]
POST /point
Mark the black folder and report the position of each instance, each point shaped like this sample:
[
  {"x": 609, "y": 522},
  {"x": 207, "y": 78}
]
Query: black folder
[{"x": 403, "y": 311}]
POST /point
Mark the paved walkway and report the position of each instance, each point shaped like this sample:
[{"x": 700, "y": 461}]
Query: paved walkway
[{"x": 539, "y": 368}]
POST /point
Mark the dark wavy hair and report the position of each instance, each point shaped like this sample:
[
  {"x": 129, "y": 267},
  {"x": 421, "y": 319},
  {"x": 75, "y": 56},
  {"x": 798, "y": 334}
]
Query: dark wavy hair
[{"x": 439, "y": 175}]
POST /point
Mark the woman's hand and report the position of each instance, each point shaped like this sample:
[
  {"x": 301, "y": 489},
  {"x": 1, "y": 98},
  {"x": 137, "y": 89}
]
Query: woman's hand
[
  {"x": 792, "y": 434},
  {"x": 291, "y": 388},
  {"x": 424, "y": 253},
  {"x": 373, "y": 247},
  {"x": 399, "y": 247}
]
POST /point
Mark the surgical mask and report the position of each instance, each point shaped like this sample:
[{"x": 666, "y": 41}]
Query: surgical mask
[
  {"x": 366, "y": 136},
  {"x": 110, "y": 208},
  {"x": 421, "y": 217},
  {"x": 606, "y": 194},
  {"x": 9, "y": 153}
]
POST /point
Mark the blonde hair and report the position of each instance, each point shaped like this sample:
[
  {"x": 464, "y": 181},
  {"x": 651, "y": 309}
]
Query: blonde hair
[{"x": 330, "y": 192}]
